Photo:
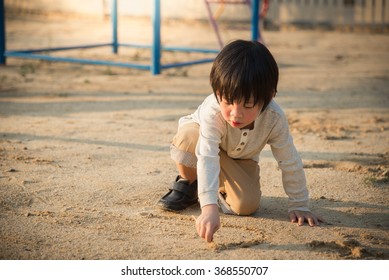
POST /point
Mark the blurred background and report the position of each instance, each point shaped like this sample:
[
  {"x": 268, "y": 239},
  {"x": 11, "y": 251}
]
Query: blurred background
[{"x": 331, "y": 14}]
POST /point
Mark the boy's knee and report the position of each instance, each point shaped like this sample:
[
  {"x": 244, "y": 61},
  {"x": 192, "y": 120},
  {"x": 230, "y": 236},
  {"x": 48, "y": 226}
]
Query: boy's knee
[
  {"x": 245, "y": 205},
  {"x": 186, "y": 138},
  {"x": 185, "y": 144}
]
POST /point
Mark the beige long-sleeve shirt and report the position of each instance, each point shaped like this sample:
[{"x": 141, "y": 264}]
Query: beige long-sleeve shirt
[{"x": 270, "y": 127}]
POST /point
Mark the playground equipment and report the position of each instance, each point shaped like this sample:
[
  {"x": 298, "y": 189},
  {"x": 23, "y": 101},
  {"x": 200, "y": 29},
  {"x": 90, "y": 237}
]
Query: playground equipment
[{"x": 155, "y": 66}]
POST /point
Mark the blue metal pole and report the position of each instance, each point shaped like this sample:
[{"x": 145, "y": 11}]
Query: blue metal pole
[
  {"x": 188, "y": 63},
  {"x": 156, "y": 46},
  {"x": 76, "y": 60},
  {"x": 255, "y": 33},
  {"x": 114, "y": 19},
  {"x": 2, "y": 32},
  {"x": 60, "y": 48}
]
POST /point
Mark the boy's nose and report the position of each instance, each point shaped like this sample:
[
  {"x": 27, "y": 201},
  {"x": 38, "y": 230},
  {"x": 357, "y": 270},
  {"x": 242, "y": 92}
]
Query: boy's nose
[{"x": 236, "y": 111}]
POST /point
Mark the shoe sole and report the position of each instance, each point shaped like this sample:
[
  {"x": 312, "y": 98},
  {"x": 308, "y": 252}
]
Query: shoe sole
[{"x": 163, "y": 206}]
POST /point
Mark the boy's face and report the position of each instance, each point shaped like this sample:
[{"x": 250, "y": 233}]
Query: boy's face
[{"x": 240, "y": 115}]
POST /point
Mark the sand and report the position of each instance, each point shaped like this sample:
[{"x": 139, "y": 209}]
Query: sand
[{"x": 84, "y": 150}]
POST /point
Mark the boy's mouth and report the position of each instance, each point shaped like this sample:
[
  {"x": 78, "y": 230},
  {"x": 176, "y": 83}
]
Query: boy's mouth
[{"x": 235, "y": 123}]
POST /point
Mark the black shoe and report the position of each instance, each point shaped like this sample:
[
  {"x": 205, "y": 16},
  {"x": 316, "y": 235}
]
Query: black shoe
[{"x": 180, "y": 196}]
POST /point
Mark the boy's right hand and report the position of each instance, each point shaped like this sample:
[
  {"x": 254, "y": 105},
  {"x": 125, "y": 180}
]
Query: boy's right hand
[{"x": 208, "y": 222}]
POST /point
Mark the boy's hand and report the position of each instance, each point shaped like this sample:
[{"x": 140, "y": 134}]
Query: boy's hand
[
  {"x": 208, "y": 222},
  {"x": 300, "y": 217}
]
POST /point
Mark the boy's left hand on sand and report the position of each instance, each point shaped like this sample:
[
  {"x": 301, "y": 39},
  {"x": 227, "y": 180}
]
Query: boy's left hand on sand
[{"x": 300, "y": 217}]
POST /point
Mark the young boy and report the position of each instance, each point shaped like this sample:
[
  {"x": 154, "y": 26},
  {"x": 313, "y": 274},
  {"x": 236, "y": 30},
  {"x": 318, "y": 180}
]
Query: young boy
[{"x": 216, "y": 149}]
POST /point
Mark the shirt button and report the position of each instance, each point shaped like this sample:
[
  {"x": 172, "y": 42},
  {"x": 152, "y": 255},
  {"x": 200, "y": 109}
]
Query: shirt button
[
  {"x": 242, "y": 143},
  {"x": 244, "y": 133},
  {"x": 238, "y": 149}
]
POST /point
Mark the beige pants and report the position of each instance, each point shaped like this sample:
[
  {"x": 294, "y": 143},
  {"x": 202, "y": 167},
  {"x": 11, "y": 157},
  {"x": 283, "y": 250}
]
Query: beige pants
[{"x": 239, "y": 178}]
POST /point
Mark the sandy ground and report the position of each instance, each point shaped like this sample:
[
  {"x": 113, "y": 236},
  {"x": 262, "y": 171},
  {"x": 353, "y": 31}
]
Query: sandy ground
[{"x": 84, "y": 150}]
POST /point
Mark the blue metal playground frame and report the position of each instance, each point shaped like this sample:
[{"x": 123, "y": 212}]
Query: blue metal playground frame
[{"x": 155, "y": 65}]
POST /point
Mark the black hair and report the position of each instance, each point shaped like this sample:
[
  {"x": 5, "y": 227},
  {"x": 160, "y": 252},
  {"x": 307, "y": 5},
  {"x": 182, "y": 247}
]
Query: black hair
[{"x": 245, "y": 69}]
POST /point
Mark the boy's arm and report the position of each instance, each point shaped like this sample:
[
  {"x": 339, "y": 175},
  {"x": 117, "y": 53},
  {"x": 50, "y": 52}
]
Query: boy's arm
[
  {"x": 289, "y": 161},
  {"x": 293, "y": 176},
  {"x": 208, "y": 169}
]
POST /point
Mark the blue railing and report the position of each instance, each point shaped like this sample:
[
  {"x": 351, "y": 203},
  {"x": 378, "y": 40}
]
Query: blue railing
[{"x": 155, "y": 65}]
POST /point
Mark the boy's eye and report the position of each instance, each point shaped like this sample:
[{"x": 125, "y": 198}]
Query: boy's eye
[{"x": 249, "y": 105}]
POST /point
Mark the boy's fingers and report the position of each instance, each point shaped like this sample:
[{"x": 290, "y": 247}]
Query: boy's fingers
[
  {"x": 201, "y": 230},
  {"x": 292, "y": 217},
  {"x": 301, "y": 220},
  {"x": 311, "y": 221},
  {"x": 209, "y": 235}
]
